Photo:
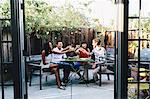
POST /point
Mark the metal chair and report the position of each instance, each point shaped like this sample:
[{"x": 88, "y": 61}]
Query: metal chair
[
  {"x": 42, "y": 67},
  {"x": 106, "y": 62}
]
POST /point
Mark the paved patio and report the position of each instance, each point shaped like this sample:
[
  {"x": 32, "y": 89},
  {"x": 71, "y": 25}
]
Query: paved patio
[{"x": 73, "y": 91}]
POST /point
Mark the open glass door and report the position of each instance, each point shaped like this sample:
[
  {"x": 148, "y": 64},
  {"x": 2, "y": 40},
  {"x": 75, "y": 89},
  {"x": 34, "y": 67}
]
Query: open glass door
[
  {"x": 138, "y": 50},
  {"x": 6, "y": 60},
  {"x": 12, "y": 72}
]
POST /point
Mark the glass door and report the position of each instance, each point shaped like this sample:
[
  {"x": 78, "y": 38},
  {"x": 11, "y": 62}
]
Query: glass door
[
  {"x": 138, "y": 50},
  {"x": 6, "y": 60},
  {"x": 12, "y": 72}
]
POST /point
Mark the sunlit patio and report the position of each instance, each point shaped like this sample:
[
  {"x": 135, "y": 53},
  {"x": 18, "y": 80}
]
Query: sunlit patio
[{"x": 73, "y": 91}]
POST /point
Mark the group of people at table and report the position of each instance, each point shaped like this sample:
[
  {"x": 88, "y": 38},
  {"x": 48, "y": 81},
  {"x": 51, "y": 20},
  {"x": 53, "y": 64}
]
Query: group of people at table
[{"x": 81, "y": 51}]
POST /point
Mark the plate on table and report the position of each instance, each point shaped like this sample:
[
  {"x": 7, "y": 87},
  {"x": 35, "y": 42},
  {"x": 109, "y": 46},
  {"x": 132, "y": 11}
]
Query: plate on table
[
  {"x": 71, "y": 58},
  {"x": 84, "y": 58}
]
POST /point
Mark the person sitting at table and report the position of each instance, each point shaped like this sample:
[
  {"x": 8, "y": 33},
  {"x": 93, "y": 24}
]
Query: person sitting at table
[
  {"x": 71, "y": 52},
  {"x": 83, "y": 52},
  {"x": 59, "y": 53},
  {"x": 48, "y": 47},
  {"x": 53, "y": 67},
  {"x": 99, "y": 56}
]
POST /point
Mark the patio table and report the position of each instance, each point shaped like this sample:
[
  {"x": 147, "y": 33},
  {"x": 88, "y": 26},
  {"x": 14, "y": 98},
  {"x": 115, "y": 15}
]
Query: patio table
[
  {"x": 72, "y": 59},
  {"x": 36, "y": 65}
]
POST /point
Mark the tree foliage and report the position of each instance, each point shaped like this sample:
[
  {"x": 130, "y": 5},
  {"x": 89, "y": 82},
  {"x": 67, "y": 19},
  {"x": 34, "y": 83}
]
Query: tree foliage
[
  {"x": 5, "y": 9},
  {"x": 41, "y": 16},
  {"x": 5, "y": 12}
]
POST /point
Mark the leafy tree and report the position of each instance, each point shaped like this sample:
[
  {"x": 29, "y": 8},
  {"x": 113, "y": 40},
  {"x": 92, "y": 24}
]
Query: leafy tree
[
  {"x": 5, "y": 9},
  {"x": 37, "y": 17},
  {"x": 5, "y": 12},
  {"x": 41, "y": 17}
]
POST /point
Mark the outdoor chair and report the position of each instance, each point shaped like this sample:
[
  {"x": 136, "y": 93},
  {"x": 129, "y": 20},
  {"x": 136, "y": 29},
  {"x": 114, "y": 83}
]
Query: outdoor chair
[
  {"x": 105, "y": 64},
  {"x": 43, "y": 68}
]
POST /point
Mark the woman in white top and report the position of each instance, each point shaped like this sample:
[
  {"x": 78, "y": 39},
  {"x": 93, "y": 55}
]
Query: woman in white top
[
  {"x": 99, "y": 57},
  {"x": 53, "y": 67}
]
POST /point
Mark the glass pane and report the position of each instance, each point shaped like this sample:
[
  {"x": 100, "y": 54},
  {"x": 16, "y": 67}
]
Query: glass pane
[
  {"x": 8, "y": 81},
  {"x": 5, "y": 9},
  {"x": 132, "y": 90},
  {"x": 10, "y": 52},
  {"x": 133, "y": 34},
  {"x": 133, "y": 24},
  {"x": 9, "y": 94},
  {"x": 7, "y": 52},
  {"x": 6, "y": 35},
  {"x": 144, "y": 91},
  {"x": 145, "y": 23},
  {"x": 145, "y": 8},
  {"x": 132, "y": 50},
  {"x": 133, "y": 7},
  {"x": 145, "y": 51},
  {"x": 133, "y": 71},
  {"x": 145, "y": 44},
  {"x": 6, "y": 25}
]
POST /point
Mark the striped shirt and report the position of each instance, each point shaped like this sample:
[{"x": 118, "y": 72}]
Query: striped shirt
[{"x": 99, "y": 53}]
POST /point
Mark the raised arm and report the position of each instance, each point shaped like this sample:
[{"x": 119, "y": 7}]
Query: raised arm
[
  {"x": 55, "y": 51},
  {"x": 78, "y": 51},
  {"x": 67, "y": 48}
]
